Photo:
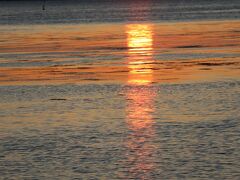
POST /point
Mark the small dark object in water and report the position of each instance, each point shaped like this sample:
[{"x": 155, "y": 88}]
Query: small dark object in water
[
  {"x": 190, "y": 46},
  {"x": 43, "y": 6},
  {"x": 58, "y": 99}
]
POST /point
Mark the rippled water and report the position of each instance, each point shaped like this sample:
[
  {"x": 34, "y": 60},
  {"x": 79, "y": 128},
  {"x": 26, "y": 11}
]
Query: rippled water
[
  {"x": 153, "y": 52},
  {"x": 138, "y": 93},
  {"x": 121, "y": 131},
  {"x": 91, "y": 11}
]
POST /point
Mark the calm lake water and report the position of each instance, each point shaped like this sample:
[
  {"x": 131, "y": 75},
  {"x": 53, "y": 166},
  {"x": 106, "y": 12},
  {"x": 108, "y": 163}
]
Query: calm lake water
[{"x": 120, "y": 90}]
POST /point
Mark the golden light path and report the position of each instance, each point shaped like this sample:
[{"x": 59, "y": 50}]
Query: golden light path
[
  {"x": 139, "y": 39},
  {"x": 140, "y": 101}
]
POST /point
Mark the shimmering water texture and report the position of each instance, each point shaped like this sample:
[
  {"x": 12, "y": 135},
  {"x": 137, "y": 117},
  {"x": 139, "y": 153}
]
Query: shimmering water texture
[
  {"x": 174, "y": 52},
  {"x": 111, "y": 131},
  {"x": 127, "y": 99},
  {"x": 113, "y": 101},
  {"x": 112, "y": 11}
]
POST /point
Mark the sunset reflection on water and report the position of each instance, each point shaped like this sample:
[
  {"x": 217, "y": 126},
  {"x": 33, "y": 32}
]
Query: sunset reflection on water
[
  {"x": 140, "y": 42},
  {"x": 140, "y": 101}
]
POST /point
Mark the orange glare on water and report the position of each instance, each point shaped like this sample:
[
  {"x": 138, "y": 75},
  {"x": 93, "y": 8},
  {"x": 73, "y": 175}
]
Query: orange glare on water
[
  {"x": 140, "y": 42},
  {"x": 140, "y": 98}
]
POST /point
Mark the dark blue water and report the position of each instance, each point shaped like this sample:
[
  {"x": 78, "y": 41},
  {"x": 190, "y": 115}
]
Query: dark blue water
[{"x": 30, "y": 12}]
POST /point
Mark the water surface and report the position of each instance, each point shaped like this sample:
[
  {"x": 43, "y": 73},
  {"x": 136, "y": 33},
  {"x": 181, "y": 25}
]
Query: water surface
[{"x": 116, "y": 90}]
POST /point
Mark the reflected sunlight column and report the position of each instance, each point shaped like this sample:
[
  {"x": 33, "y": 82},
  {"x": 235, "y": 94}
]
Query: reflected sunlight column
[
  {"x": 139, "y": 39},
  {"x": 140, "y": 97}
]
